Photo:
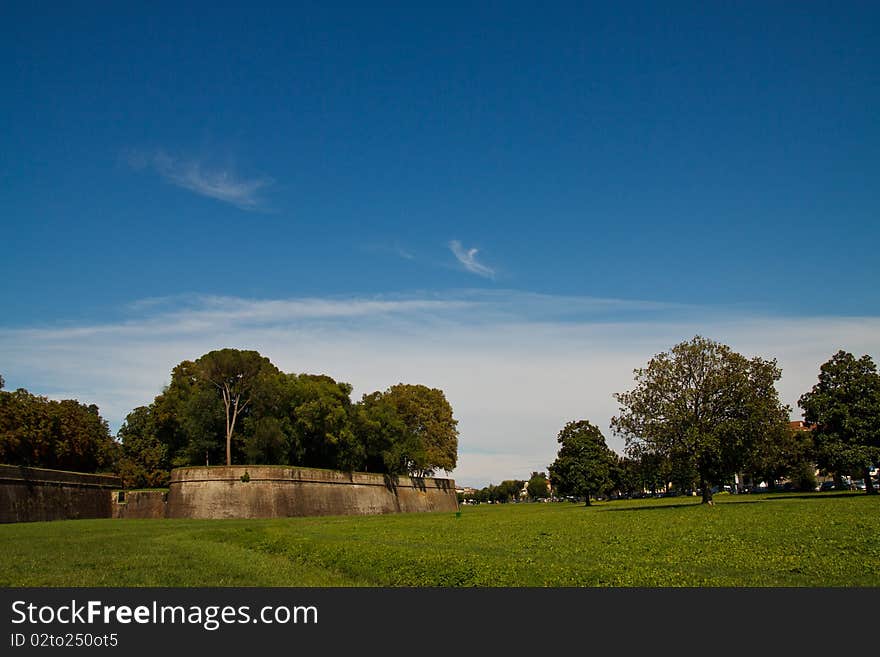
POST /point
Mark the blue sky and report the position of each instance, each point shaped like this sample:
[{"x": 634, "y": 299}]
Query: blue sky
[{"x": 485, "y": 185}]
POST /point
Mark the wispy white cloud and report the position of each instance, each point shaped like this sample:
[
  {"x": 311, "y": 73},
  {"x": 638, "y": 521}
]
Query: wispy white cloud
[
  {"x": 220, "y": 183},
  {"x": 468, "y": 259},
  {"x": 395, "y": 249},
  {"x": 515, "y": 366}
]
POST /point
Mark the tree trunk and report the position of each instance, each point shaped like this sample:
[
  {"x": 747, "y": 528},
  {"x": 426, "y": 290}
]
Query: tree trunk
[
  {"x": 227, "y": 400},
  {"x": 869, "y": 485},
  {"x": 587, "y": 500},
  {"x": 707, "y": 492}
]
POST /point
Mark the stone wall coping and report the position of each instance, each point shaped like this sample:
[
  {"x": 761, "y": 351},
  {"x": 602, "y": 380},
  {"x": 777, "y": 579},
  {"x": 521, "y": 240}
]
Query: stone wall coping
[
  {"x": 293, "y": 474},
  {"x": 18, "y": 474}
]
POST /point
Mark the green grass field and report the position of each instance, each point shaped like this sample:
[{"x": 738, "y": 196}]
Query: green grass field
[{"x": 745, "y": 540}]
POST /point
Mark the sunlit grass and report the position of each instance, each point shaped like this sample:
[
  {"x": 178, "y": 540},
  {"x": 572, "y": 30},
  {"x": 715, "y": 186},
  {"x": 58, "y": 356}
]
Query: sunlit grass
[{"x": 746, "y": 540}]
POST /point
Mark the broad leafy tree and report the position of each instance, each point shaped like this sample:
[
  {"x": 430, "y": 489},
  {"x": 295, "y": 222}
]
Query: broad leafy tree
[
  {"x": 786, "y": 453},
  {"x": 626, "y": 476},
  {"x": 388, "y": 445},
  {"x": 704, "y": 407},
  {"x": 429, "y": 427},
  {"x": 844, "y": 409},
  {"x": 320, "y": 414},
  {"x": 145, "y": 461},
  {"x": 66, "y": 435},
  {"x": 537, "y": 487},
  {"x": 584, "y": 462},
  {"x": 234, "y": 374}
]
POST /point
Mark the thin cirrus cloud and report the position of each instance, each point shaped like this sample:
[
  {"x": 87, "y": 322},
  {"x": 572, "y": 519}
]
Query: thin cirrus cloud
[
  {"x": 468, "y": 260},
  {"x": 219, "y": 183}
]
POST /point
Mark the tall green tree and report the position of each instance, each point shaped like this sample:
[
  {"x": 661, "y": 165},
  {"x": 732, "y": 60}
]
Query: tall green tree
[
  {"x": 321, "y": 417},
  {"x": 583, "y": 463},
  {"x": 388, "y": 445},
  {"x": 626, "y": 477},
  {"x": 145, "y": 461},
  {"x": 429, "y": 427},
  {"x": 844, "y": 409},
  {"x": 784, "y": 453},
  {"x": 234, "y": 374},
  {"x": 510, "y": 489},
  {"x": 703, "y": 406},
  {"x": 538, "y": 488}
]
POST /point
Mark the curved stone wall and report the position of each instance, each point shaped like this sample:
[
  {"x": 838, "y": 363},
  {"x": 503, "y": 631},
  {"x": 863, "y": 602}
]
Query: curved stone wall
[{"x": 278, "y": 492}]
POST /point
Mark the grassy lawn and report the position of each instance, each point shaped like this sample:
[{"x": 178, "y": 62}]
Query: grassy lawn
[{"x": 746, "y": 540}]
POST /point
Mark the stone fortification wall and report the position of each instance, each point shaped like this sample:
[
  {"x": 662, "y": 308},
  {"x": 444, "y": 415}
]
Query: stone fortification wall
[
  {"x": 139, "y": 503},
  {"x": 32, "y": 494},
  {"x": 276, "y": 492}
]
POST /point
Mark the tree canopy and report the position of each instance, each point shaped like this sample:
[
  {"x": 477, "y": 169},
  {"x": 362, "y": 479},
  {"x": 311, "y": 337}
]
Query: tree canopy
[
  {"x": 583, "y": 463},
  {"x": 844, "y": 409},
  {"x": 704, "y": 407},
  {"x": 66, "y": 435},
  {"x": 236, "y": 407},
  {"x": 234, "y": 374},
  {"x": 538, "y": 487}
]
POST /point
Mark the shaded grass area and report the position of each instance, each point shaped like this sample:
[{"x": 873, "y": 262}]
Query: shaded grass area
[{"x": 746, "y": 540}]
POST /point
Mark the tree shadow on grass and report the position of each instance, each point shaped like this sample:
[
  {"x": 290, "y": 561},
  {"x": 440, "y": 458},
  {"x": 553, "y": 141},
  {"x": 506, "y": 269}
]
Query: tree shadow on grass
[
  {"x": 655, "y": 507},
  {"x": 740, "y": 499},
  {"x": 823, "y": 496}
]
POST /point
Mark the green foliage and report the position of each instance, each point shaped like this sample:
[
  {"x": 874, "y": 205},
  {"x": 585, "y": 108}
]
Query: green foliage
[
  {"x": 388, "y": 444},
  {"x": 321, "y": 414},
  {"x": 803, "y": 477},
  {"x": 584, "y": 462},
  {"x": 508, "y": 490},
  {"x": 267, "y": 441},
  {"x": 780, "y": 454},
  {"x": 67, "y": 435},
  {"x": 775, "y": 540},
  {"x": 703, "y": 407},
  {"x": 844, "y": 407},
  {"x": 145, "y": 460},
  {"x": 234, "y": 375},
  {"x": 408, "y": 429},
  {"x": 538, "y": 486},
  {"x": 428, "y": 421},
  {"x": 236, "y": 406}
]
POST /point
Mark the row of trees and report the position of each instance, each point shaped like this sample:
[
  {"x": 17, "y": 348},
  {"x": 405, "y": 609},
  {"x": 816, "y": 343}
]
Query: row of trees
[
  {"x": 65, "y": 435},
  {"x": 697, "y": 414},
  {"x": 537, "y": 487},
  {"x": 233, "y": 406},
  {"x": 701, "y": 413}
]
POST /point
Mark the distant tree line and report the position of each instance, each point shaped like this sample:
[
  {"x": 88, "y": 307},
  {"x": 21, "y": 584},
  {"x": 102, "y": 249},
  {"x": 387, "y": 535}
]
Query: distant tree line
[
  {"x": 537, "y": 487},
  {"x": 702, "y": 413},
  {"x": 65, "y": 435}
]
